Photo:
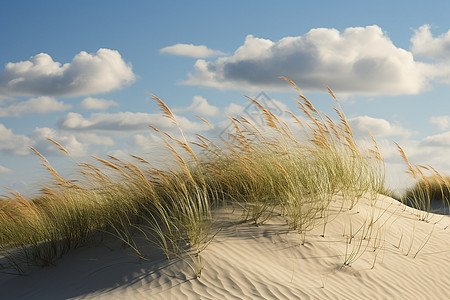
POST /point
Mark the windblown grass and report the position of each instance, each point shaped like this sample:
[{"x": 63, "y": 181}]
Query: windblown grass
[
  {"x": 264, "y": 169},
  {"x": 431, "y": 187},
  {"x": 429, "y": 193}
]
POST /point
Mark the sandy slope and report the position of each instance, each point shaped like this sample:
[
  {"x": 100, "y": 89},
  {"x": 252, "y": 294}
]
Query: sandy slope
[{"x": 245, "y": 261}]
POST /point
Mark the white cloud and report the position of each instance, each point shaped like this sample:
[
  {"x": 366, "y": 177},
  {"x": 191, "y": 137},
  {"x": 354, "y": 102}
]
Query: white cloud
[
  {"x": 234, "y": 108},
  {"x": 199, "y": 106},
  {"x": 424, "y": 44},
  {"x": 361, "y": 60},
  {"x": 46, "y": 148},
  {"x": 122, "y": 121},
  {"x": 125, "y": 122},
  {"x": 77, "y": 144},
  {"x": 95, "y": 139},
  {"x": 5, "y": 99},
  {"x": 435, "y": 48},
  {"x": 191, "y": 50},
  {"x": 38, "y": 105},
  {"x": 122, "y": 154},
  {"x": 388, "y": 149},
  {"x": 4, "y": 170},
  {"x": 15, "y": 144},
  {"x": 74, "y": 121},
  {"x": 442, "y": 122},
  {"x": 275, "y": 106},
  {"x": 438, "y": 140},
  {"x": 379, "y": 127},
  {"x": 147, "y": 142},
  {"x": 97, "y": 104},
  {"x": 432, "y": 150},
  {"x": 87, "y": 74}
]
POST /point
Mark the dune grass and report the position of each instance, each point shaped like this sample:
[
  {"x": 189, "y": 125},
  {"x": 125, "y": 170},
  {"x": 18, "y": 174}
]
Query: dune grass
[
  {"x": 265, "y": 169},
  {"x": 431, "y": 187},
  {"x": 428, "y": 192}
]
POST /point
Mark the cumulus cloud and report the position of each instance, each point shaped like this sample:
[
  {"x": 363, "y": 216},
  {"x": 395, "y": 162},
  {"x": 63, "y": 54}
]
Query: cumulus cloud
[
  {"x": 124, "y": 121},
  {"x": 4, "y": 170},
  {"x": 14, "y": 144},
  {"x": 191, "y": 50},
  {"x": 435, "y": 48},
  {"x": 424, "y": 44},
  {"x": 432, "y": 150},
  {"x": 95, "y": 139},
  {"x": 359, "y": 60},
  {"x": 77, "y": 144},
  {"x": 87, "y": 74},
  {"x": 234, "y": 108},
  {"x": 275, "y": 106},
  {"x": 38, "y": 105},
  {"x": 97, "y": 104},
  {"x": 199, "y": 106},
  {"x": 442, "y": 122},
  {"x": 46, "y": 148},
  {"x": 379, "y": 127},
  {"x": 147, "y": 142},
  {"x": 438, "y": 140}
]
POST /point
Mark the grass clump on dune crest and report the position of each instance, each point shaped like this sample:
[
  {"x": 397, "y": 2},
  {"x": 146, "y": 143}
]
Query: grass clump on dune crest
[
  {"x": 430, "y": 192},
  {"x": 270, "y": 167},
  {"x": 293, "y": 170}
]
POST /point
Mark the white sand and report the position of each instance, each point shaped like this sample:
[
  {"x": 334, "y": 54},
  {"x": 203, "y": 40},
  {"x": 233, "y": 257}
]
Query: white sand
[{"x": 267, "y": 262}]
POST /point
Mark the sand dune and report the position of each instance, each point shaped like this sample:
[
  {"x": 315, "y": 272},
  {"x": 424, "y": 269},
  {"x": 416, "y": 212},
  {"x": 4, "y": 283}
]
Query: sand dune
[{"x": 396, "y": 256}]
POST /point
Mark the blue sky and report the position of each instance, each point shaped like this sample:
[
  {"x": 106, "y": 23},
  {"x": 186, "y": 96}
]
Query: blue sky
[{"x": 82, "y": 72}]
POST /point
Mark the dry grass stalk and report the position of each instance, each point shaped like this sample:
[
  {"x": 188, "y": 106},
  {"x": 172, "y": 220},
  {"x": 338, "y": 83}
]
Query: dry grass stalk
[
  {"x": 60, "y": 147},
  {"x": 376, "y": 152},
  {"x": 331, "y": 93},
  {"x": 140, "y": 159},
  {"x": 412, "y": 171},
  {"x": 168, "y": 113},
  {"x": 295, "y": 118},
  {"x": 292, "y": 83},
  {"x": 111, "y": 165},
  {"x": 205, "y": 121},
  {"x": 39, "y": 154},
  {"x": 268, "y": 115}
]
